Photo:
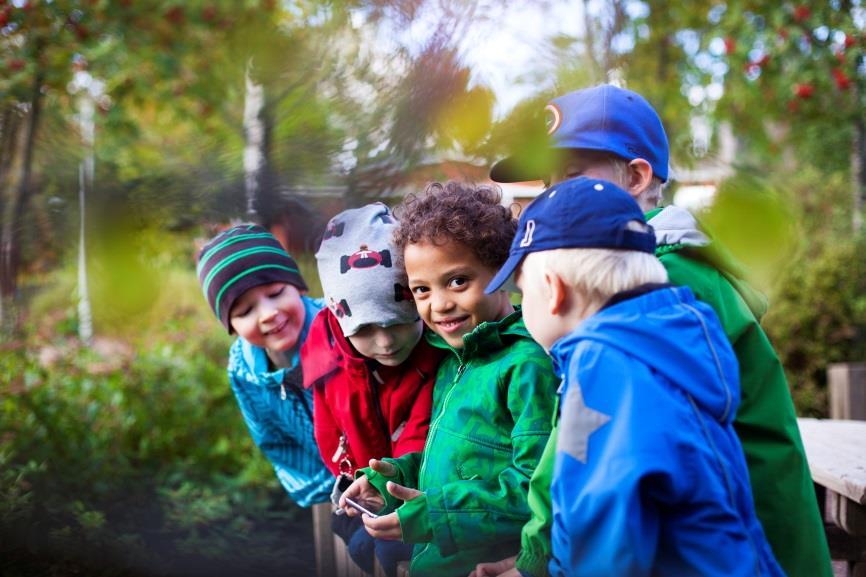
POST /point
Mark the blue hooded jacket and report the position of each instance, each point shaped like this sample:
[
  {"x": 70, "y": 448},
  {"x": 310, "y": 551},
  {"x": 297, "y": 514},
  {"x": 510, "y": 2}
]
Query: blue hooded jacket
[
  {"x": 279, "y": 415},
  {"x": 650, "y": 477}
]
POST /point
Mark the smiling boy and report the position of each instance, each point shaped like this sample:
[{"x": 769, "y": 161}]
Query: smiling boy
[
  {"x": 257, "y": 292},
  {"x": 463, "y": 499}
]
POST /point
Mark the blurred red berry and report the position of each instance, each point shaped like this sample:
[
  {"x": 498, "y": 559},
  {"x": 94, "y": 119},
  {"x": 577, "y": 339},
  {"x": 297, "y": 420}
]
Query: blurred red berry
[
  {"x": 793, "y": 106},
  {"x": 805, "y": 90},
  {"x": 81, "y": 32},
  {"x": 4, "y": 17},
  {"x": 16, "y": 64},
  {"x": 842, "y": 80},
  {"x": 763, "y": 60},
  {"x": 730, "y": 45},
  {"x": 783, "y": 33},
  {"x": 209, "y": 13},
  {"x": 849, "y": 41},
  {"x": 175, "y": 15},
  {"x": 840, "y": 57},
  {"x": 802, "y": 13}
]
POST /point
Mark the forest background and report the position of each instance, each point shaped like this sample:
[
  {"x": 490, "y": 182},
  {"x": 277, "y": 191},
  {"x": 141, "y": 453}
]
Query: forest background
[{"x": 131, "y": 130}]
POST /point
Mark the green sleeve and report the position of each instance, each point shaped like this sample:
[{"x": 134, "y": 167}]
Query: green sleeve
[
  {"x": 535, "y": 547},
  {"x": 766, "y": 424},
  {"x": 415, "y": 520},
  {"x": 470, "y": 512},
  {"x": 407, "y": 475}
]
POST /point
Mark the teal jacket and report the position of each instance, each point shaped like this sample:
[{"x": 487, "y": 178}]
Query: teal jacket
[
  {"x": 766, "y": 423},
  {"x": 279, "y": 415},
  {"x": 492, "y": 403}
]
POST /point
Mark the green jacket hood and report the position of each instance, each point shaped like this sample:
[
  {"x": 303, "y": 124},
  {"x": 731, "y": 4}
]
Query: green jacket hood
[
  {"x": 677, "y": 230},
  {"x": 488, "y": 336}
]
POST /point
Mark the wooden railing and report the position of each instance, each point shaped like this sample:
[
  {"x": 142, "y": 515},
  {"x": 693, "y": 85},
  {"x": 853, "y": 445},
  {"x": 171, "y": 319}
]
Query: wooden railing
[{"x": 836, "y": 450}]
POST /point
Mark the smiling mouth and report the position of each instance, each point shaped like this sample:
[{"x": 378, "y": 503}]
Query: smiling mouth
[
  {"x": 277, "y": 328},
  {"x": 451, "y": 324}
]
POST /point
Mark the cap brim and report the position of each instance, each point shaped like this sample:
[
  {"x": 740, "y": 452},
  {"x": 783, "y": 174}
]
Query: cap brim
[
  {"x": 513, "y": 169},
  {"x": 504, "y": 275}
]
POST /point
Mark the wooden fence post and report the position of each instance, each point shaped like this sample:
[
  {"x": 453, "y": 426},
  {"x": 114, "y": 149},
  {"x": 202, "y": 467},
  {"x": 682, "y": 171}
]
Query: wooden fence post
[{"x": 846, "y": 383}]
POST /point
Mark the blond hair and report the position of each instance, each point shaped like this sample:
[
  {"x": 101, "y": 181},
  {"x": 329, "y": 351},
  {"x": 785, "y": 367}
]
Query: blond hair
[{"x": 597, "y": 273}]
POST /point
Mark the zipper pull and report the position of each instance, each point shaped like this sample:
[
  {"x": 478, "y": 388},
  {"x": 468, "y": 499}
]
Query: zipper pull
[
  {"x": 399, "y": 431},
  {"x": 341, "y": 449},
  {"x": 283, "y": 395},
  {"x": 460, "y": 370}
]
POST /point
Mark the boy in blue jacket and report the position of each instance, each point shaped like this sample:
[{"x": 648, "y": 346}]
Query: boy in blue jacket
[
  {"x": 649, "y": 476},
  {"x": 257, "y": 292}
]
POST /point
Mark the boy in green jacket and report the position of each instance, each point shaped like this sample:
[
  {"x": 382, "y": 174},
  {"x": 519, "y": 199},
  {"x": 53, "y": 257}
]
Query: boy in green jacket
[
  {"x": 464, "y": 499},
  {"x": 614, "y": 134}
]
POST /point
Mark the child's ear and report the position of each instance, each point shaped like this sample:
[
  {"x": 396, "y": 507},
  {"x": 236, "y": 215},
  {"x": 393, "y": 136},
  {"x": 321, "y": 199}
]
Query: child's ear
[
  {"x": 557, "y": 293},
  {"x": 640, "y": 176}
]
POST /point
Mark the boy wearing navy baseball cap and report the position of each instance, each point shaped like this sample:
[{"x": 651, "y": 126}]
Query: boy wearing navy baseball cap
[
  {"x": 615, "y": 134},
  {"x": 649, "y": 475}
]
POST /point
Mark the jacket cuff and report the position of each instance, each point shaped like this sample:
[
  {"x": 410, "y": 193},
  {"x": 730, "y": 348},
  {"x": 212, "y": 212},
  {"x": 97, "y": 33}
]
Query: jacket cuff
[
  {"x": 379, "y": 482},
  {"x": 531, "y": 566},
  {"x": 439, "y": 528},
  {"x": 415, "y": 520}
]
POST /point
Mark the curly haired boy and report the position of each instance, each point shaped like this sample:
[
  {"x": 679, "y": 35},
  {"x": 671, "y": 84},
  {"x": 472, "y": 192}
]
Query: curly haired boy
[{"x": 463, "y": 499}]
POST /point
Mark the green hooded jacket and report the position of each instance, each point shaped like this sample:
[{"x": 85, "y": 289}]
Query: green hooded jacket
[
  {"x": 766, "y": 422},
  {"x": 492, "y": 404}
]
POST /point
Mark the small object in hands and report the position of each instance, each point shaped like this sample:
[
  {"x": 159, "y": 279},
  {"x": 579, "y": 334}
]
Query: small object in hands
[{"x": 361, "y": 508}]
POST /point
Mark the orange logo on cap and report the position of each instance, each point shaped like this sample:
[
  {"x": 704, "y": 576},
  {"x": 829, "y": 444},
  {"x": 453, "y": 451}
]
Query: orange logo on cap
[{"x": 553, "y": 118}]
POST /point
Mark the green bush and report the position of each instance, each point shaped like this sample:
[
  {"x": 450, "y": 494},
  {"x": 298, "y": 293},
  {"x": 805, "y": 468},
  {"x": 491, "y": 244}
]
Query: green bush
[
  {"x": 818, "y": 316},
  {"x": 130, "y": 457}
]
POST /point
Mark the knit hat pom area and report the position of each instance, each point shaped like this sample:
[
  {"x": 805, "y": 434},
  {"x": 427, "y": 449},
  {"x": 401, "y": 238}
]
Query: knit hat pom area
[{"x": 238, "y": 259}]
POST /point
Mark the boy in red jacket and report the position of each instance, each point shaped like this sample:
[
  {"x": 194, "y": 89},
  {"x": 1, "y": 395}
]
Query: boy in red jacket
[{"x": 372, "y": 374}]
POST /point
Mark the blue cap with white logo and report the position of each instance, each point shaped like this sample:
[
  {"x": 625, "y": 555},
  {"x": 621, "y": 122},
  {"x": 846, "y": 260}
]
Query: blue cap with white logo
[
  {"x": 603, "y": 118},
  {"x": 578, "y": 213}
]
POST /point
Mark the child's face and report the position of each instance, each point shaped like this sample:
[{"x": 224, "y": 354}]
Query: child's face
[
  {"x": 389, "y": 345},
  {"x": 270, "y": 316},
  {"x": 448, "y": 283}
]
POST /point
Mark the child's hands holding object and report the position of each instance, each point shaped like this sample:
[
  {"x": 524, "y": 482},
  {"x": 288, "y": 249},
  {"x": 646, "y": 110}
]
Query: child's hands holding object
[{"x": 361, "y": 491}]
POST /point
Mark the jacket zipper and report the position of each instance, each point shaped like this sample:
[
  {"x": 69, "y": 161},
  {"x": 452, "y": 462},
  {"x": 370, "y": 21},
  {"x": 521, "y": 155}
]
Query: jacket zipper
[
  {"x": 375, "y": 381},
  {"x": 460, "y": 370}
]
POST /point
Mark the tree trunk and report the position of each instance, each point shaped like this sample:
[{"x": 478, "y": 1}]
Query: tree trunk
[
  {"x": 85, "y": 181},
  {"x": 10, "y": 243},
  {"x": 858, "y": 173},
  {"x": 255, "y": 137}
]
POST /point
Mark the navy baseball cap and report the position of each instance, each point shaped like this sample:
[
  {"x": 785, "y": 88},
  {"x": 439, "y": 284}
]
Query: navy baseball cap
[
  {"x": 604, "y": 118},
  {"x": 577, "y": 213}
]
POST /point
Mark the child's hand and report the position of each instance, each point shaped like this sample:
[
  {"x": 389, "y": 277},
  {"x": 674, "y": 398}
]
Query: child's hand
[
  {"x": 504, "y": 568},
  {"x": 388, "y": 526},
  {"x": 361, "y": 491}
]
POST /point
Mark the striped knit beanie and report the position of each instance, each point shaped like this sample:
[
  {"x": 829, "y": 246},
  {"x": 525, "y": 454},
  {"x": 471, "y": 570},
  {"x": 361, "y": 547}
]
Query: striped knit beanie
[{"x": 241, "y": 258}]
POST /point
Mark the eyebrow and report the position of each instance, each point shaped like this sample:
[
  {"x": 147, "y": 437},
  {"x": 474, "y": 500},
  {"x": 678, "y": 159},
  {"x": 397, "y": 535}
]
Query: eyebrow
[{"x": 448, "y": 274}]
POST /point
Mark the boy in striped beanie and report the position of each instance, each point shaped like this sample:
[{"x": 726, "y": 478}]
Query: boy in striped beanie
[{"x": 257, "y": 292}]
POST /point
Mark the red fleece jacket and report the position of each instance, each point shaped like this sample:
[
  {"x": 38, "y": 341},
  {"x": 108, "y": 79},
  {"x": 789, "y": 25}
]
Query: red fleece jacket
[{"x": 382, "y": 411}]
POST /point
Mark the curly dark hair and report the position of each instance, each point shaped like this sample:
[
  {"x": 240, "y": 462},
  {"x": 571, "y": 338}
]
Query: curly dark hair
[{"x": 456, "y": 211}]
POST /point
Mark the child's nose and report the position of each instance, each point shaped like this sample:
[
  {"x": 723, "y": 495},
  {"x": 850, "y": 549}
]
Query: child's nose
[
  {"x": 384, "y": 339},
  {"x": 267, "y": 313},
  {"x": 441, "y": 302}
]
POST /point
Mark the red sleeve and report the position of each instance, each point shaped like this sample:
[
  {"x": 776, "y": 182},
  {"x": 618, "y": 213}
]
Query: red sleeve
[
  {"x": 326, "y": 430},
  {"x": 415, "y": 432}
]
